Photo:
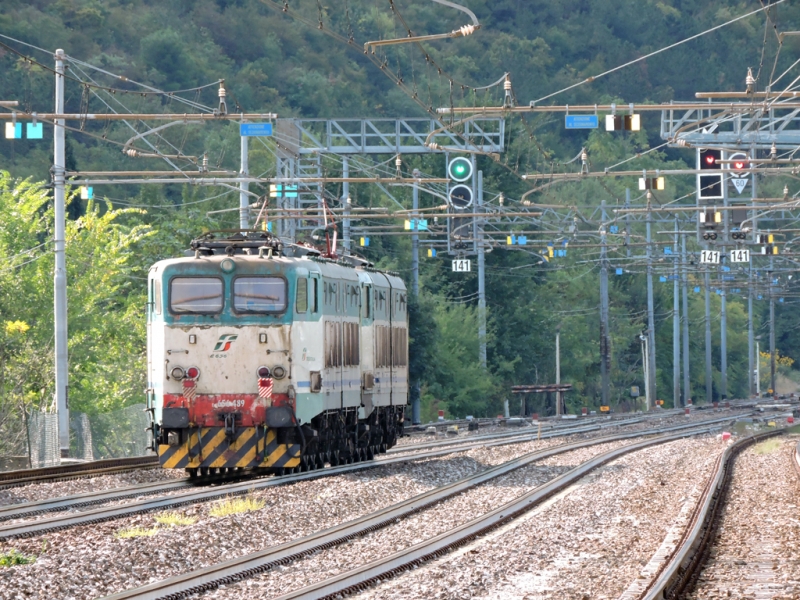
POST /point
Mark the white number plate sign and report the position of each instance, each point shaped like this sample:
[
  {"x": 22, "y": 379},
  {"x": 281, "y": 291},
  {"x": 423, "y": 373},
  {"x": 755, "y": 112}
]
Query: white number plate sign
[
  {"x": 739, "y": 256},
  {"x": 462, "y": 266},
  {"x": 709, "y": 257}
]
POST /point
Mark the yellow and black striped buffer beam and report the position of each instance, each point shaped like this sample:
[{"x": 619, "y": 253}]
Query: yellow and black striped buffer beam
[{"x": 249, "y": 447}]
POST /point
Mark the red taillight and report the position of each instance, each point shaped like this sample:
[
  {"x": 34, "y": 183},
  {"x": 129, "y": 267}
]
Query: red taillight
[
  {"x": 263, "y": 371},
  {"x": 193, "y": 372}
]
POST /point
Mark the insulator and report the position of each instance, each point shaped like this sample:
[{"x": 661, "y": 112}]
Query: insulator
[
  {"x": 223, "y": 105},
  {"x": 398, "y": 162},
  {"x": 785, "y": 192},
  {"x": 501, "y": 199},
  {"x": 749, "y": 81},
  {"x": 133, "y": 153},
  {"x": 467, "y": 30},
  {"x": 508, "y": 101},
  {"x": 773, "y": 152},
  {"x": 434, "y": 146}
]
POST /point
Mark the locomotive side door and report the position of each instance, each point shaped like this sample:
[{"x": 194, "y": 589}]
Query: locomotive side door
[
  {"x": 332, "y": 340},
  {"x": 367, "y": 346}
]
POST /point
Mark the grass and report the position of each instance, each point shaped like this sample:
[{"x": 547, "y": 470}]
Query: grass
[
  {"x": 768, "y": 446},
  {"x": 175, "y": 519},
  {"x": 14, "y": 557},
  {"x": 132, "y": 532},
  {"x": 235, "y": 506}
]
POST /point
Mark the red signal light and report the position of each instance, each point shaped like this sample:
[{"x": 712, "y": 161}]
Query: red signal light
[
  {"x": 709, "y": 159},
  {"x": 263, "y": 372},
  {"x": 193, "y": 372},
  {"x": 740, "y": 163}
]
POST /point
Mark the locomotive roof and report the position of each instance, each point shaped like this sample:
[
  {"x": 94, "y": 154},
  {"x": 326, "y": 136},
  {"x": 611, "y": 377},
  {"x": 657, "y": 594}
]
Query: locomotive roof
[{"x": 325, "y": 267}]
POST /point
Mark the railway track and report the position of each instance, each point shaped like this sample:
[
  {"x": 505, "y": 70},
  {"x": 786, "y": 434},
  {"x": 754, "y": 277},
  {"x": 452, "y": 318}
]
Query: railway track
[
  {"x": 72, "y": 471},
  {"x": 122, "y": 465},
  {"x": 246, "y": 566},
  {"x": 395, "y": 455},
  {"x": 680, "y": 568}
]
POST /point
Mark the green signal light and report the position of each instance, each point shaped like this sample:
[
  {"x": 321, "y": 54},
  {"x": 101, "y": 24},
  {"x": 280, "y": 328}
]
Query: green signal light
[{"x": 460, "y": 169}]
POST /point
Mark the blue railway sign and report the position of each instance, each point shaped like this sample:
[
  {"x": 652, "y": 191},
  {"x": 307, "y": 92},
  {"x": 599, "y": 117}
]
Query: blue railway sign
[
  {"x": 255, "y": 129},
  {"x": 581, "y": 122}
]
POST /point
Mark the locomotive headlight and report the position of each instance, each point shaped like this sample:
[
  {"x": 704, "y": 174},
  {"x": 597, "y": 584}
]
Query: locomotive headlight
[
  {"x": 278, "y": 372},
  {"x": 193, "y": 372},
  {"x": 177, "y": 373},
  {"x": 263, "y": 372}
]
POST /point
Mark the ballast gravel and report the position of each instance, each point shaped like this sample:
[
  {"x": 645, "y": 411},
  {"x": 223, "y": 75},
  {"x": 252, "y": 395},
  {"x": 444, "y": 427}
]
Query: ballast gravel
[
  {"x": 589, "y": 542},
  {"x": 757, "y": 550},
  {"x": 58, "y": 489},
  {"x": 429, "y": 523},
  {"x": 89, "y": 561}
]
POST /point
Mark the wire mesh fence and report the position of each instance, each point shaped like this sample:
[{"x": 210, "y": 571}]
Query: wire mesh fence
[
  {"x": 43, "y": 448},
  {"x": 117, "y": 434}
]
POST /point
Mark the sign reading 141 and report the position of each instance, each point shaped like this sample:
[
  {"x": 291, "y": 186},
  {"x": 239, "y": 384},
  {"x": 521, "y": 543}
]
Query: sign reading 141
[
  {"x": 739, "y": 256},
  {"x": 709, "y": 257},
  {"x": 462, "y": 265}
]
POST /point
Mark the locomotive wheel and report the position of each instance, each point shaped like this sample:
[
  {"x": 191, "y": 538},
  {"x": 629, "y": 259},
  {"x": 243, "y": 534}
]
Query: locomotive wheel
[
  {"x": 203, "y": 471},
  {"x": 192, "y": 473},
  {"x": 370, "y": 452},
  {"x": 335, "y": 462}
]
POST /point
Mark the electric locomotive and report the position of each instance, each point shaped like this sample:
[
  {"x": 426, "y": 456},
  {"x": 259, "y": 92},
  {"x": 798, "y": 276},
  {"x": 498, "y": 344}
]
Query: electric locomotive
[{"x": 275, "y": 358}]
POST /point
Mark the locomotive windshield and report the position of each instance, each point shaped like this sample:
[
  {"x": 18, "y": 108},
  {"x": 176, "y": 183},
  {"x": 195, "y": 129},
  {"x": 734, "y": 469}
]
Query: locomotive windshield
[
  {"x": 259, "y": 294},
  {"x": 200, "y": 295}
]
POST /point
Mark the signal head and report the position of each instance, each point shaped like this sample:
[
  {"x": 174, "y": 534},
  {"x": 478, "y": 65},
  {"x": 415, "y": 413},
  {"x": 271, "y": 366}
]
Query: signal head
[
  {"x": 740, "y": 163},
  {"x": 460, "y": 169},
  {"x": 460, "y": 197},
  {"x": 709, "y": 159}
]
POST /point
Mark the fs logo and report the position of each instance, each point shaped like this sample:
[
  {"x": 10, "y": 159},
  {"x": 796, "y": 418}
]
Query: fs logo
[{"x": 225, "y": 342}]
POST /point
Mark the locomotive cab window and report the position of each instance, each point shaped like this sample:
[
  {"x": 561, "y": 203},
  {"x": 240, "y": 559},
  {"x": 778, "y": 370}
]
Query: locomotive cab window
[
  {"x": 301, "y": 305},
  {"x": 195, "y": 295},
  {"x": 259, "y": 294}
]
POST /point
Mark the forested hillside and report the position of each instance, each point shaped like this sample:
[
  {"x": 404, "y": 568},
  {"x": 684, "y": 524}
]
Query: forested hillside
[{"x": 293, "y": 58}]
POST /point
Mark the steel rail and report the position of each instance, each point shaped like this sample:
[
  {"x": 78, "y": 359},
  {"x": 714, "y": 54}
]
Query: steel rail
[
  {"x": 232, "y": 570},
  {"x": 28, "y": 509},
  {"x": 97, "y": 467},
  {"x": 98, "y": 515},
  {"x": 363, "y": 577},
  {"x": 680, "y": 570},
  {"x": 577, "y": 426},
  {"x": 796, "y": 459},
  {"x": 75, "y": 501},
  {"x": 82, "y": 500}
]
